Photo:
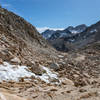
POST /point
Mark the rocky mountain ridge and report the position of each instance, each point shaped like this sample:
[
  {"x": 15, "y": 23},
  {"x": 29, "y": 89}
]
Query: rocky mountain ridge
[
  {"x": 69, "y": 31},
  {"x": 75, "y": 39}
]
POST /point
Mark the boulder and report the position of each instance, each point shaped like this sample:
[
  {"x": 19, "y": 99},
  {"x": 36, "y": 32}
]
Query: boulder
[
  {"x": 37, "y": 69},
  {"x": 54, "y": 66}
]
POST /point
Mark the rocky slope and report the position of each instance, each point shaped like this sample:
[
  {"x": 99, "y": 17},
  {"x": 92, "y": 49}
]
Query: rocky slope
[
  {"x": 20, "y": 40},
  {"x": 23, "y": 51}
]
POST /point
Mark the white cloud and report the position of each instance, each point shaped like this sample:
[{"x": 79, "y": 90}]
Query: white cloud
[{"x": 42, "y": 29}]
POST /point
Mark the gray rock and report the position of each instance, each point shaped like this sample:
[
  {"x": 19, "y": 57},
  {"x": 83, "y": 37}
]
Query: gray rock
[{"x": 54, "y": 66}]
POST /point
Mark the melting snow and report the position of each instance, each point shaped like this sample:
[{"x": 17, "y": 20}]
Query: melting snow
[
  {"x": 15, "y": 72},
  {"x": 74, "y": 32},
  {"x": 48, "y": 75}
]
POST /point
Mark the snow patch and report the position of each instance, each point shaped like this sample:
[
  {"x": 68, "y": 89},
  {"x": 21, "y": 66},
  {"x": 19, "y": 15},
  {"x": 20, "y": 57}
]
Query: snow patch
[
  {"x": 13, "y": 72},
  {"x": 74, "y": 32},
  {"x": 46, "y": 77},
  {"x": 92, "y": 31},
  {"x": 10, "y": 72}
]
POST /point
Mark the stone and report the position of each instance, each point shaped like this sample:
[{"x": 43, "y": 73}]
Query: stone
[
  {"x": 16, "y": 60},
  {"x": 37, "y": 69},
  {"x": 1, "y": 62},
  {"x": 80, "y": 58},
  {"x": 66, "y": 81},
  {"x": 54, "y": 66}
]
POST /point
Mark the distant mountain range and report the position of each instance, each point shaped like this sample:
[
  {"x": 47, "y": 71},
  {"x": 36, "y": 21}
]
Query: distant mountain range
[
  {"x": 73, "y": 38},
  {"x": 70, "y": 31}
]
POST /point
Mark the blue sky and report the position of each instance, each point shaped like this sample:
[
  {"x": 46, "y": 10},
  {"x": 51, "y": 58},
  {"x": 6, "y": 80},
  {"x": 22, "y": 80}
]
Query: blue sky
[{"x": 55, "y": 13}]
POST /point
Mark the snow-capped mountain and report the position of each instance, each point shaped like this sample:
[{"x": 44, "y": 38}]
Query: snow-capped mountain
[
  {"x": 77, "y": 29},
  {"x": 47, "y": 34},
  {"x": 74, "y": 37},
  {"x": 60, "y": 34},
  {"x": 79, "y": 40},
  {"x": 68, "y": 32}
]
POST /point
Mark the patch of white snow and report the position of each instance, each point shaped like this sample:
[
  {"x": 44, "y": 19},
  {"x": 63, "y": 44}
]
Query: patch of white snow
[
  {"x": 92, "y": 31},
  {"x": 10, "y": 72},
  {"x": 13, "y": 72},
  {"x": 47, "y": 76}
]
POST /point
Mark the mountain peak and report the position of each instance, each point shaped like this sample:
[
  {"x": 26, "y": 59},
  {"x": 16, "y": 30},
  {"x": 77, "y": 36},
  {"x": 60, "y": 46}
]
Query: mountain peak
[
  {"x": 50, "y": 34},
  {"x": 75, "y": 37}
]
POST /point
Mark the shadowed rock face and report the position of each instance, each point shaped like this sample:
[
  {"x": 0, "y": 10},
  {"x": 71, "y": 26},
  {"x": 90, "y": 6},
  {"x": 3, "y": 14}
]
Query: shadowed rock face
[{"x": 48, "y": 33}]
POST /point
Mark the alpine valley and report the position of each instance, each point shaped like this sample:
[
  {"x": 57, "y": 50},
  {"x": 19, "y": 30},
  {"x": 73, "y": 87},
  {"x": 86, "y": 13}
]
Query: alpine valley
[{"x": 60, "y": 65}]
